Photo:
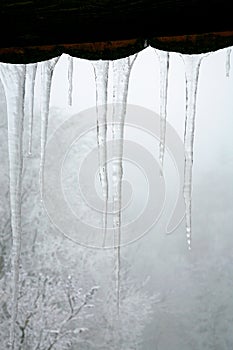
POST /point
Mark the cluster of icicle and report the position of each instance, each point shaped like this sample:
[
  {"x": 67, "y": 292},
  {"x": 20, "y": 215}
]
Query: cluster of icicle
[
  {"x": 17, "y": 78},
  {"x": 18, "y": 81},
  {"x": 121, "y": 74}
]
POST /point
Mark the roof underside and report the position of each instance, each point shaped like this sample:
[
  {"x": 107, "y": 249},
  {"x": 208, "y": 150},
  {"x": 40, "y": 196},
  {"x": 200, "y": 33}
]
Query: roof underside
[{"x": 36, "y": 30}]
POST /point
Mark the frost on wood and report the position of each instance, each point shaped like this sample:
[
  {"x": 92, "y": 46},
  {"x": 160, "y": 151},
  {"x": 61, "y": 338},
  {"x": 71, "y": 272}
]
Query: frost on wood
[
  {"x": 13, "y": 79},
  {"x": 29, "y": 100},
  {"x": 101, "y": 79},
  {"x": 70, "y": 79},
  {"x": 47, "y": 68},
  {"x": 164, "y": 69},
  {"x": 192, "y": 66},
  {"x": 228, "y": 62},
  {"x": 121, "y": 74}
]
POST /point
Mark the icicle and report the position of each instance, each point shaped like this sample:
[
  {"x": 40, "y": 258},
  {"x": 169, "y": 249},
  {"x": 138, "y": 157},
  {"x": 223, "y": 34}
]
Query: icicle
[
  {"x": 192, "y": 67},
  {"x": 228, "y": 62},
  {"x": 13, "y": 78},
  {"x": 46, "y": 81},
  {"x": 164, "y": 68},
  {"x": 101, "y": 80},
  {"x": 121, "y": 74},
  {"x": 28, "y": 108},
  {"x": 70, "y": 79}
]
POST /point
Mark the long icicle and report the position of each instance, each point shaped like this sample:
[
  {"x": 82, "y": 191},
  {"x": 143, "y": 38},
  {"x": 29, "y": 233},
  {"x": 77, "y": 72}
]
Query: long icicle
[
  {"x": 70, "y": 80},
  {"x": 164, "y": 69},
  {"x": 13, "y": 78},
  {"x": 228, "y": 62},
  {"x": 121, "y": 74},
  {"x": 47, "y": 69},
  {"x": 101, "y": 79},
  {"x": 192, "y": 67},
  {"x": 29, "y": 106}
]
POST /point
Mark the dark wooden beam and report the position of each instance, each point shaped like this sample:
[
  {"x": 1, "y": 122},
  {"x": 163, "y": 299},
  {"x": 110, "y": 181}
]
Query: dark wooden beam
[
  {"x": 195, "y": 43},
  {"x": 35, "y": 30},
  {"x": 97, "y": 50},
  {"x": 110, "y": 50}
]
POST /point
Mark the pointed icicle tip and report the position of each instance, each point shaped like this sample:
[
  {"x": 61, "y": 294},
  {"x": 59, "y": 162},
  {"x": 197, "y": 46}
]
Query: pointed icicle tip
[
  {"x": 228, "y": 62},
  {"x": 13, "y": 79},
  {"x": 70, "y": 80},
  {"x": 101, "y": 70},
  {"x": 164, "y": 61},
  {"x": 192, "y": 66},
  {"x": 46, "y": 82}
]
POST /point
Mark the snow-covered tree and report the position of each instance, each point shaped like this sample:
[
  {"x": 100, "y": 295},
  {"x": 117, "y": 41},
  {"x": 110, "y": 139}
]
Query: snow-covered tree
[
  {"x": 60, "y": 311},
  {"x": 59, "y": 304},
  {"x": 49, "y": 312}
]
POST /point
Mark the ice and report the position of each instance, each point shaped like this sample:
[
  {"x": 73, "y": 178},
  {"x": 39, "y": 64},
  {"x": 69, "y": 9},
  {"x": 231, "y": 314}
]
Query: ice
[
  {"x": 13, "y": 79},
  {"x": 228, "y": 62},
  {"x": 121, "y": 74},
  {"x": 47, "y": 69},
  {"x": 70, "y": 79},
  {"x": 192, "y": 66},
  {"x": 29, "y": 101},
  {"x": 101, "y": 79},
  {"x": 164, "y": 69}
]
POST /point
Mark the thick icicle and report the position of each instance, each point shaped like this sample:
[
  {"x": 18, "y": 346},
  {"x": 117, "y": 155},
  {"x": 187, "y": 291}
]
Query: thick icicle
[
  {"x": 164, "y": 68},
  {"x": 70, "y": 79},
  {"x": 192, "y": 66},
  {"x": 101, "y": 79},
  {"x": 13, "y": 78},
  {"x": 47, "y": 68},
  {"x": 121, "y": 74},
  {"x": 228, "y": 62},
  {"x": 29, "y": 102}
]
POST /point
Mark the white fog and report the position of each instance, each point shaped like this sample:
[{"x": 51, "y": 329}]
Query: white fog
[{"x": 99, "y": 248}]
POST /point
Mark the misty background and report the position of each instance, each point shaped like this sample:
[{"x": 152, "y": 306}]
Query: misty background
[{"x": 186, "y": 301}]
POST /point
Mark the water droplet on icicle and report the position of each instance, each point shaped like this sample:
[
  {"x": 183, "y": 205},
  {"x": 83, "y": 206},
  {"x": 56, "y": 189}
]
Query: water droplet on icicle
[
  {"x": 29, "y": 101},
  {"x": 121, "y": 74},
  {"x": 192, "y": 67},
  {"x": 164, "y": 69},
  {"x": 70, "y": 79},
  {"x": 13, "y": 79},
  {"x": 228, "y": 62},
  {"x": 101, "y": 79},
  {"x": 47, "y": 69}
]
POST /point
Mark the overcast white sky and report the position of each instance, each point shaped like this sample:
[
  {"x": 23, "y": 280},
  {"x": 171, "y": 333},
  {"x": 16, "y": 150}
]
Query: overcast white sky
[
  {"x": 162, "y": 257},
  {"x": 214, "y": 90},
  {"x": 213, "y": 142}
]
